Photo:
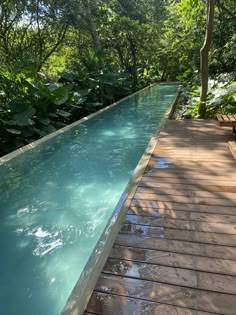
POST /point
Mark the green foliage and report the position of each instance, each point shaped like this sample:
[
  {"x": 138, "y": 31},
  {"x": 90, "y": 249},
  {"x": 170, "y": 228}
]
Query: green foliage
[
  {"x": 221, "y": 97},
  {"x": 33, "y": 106},
  {"x": 28, "y": 109}
]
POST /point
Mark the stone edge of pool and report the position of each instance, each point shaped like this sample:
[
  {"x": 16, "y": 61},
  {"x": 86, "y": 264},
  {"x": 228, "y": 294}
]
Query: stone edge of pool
[{"x": 81, "y": 293}]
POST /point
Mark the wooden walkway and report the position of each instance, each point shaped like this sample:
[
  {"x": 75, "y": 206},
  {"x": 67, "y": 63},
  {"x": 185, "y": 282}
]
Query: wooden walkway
[{"x": 176, "y": 251}]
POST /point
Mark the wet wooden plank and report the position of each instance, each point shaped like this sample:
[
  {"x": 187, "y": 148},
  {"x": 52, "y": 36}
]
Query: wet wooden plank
[
  {"x": 182, "y": 215},
  {"x": 185, "y": 165},
  {"x": 177, "y": 246},
  {"x": 222, "y": 266},
  {"x": 169, "y": 205},
  {"x": 211, "y": 136},
  {"x": 211, "y": 227},
  {"x": 178, "y": 234},
  {"x": 175, "y": 155},
  {"x": 171, "y": 168},
  {"x": 177, "y": 142},
  {"x": 182, "y": 199},
  {"x": 171, "y": 275},
  {"x": 167, "y": 145},
  {"x": 186, "y": 192},
  {"x": 168, "y": 294},
  {"x": 110, "y": 304},
  {"x": 203, "y": 158},
  {"x": 192, "y": 156},
  {"x": 159, "y": 273},
  {"x": 197, "y": 186},
  {"x": 187, "y": 175},
  {"x": 190, "y": 181},
  {"x": 188, "y": 149}
]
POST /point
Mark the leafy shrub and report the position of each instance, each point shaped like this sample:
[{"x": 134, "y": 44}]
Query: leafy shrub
[
  {"x": 221, "y": 97},
  {"x": 32, "y": 105}
]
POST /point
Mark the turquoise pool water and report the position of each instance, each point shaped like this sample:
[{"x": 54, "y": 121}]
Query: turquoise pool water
[{"x": 57, "y": 198}]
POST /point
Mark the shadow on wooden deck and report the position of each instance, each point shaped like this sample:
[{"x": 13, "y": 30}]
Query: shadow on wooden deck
[{"x": 176, "y": 251}]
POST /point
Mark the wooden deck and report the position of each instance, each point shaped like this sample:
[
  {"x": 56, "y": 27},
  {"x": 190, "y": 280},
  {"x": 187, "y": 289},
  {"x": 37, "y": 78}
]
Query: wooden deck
[{"x": 176, "y": 251}]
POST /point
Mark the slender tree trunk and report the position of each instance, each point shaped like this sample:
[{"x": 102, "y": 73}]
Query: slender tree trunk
[
  {"x": 92, "y": 27},
  {"x": 204, "y": 57},
  {"x": 163, "y": 76},
  {"x": 134, "y": 64}
]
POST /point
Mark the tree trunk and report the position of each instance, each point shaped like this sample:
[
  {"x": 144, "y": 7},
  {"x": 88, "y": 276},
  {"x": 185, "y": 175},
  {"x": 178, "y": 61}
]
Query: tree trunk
[
  {"x": 204, "y": 58},
  {"x": 163, "y": 76},
  {"x": 134, "y": 64},
  {"x": 92, "y": 28}
]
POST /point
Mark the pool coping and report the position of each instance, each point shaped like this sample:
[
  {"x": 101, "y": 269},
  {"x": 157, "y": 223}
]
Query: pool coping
[{"x": 81, "y": 293}]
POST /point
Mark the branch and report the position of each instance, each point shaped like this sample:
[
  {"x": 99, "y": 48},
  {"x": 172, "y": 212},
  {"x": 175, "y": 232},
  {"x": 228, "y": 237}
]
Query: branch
[
  {"x": 24, "y": 33},
  {"x": 223, "y": 8},
  {"x": 59, "y": 41},
  {"x": 39, "y": 35}
]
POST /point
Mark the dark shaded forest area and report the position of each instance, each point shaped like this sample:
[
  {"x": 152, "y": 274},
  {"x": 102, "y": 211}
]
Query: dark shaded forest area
[{"x": 62, "y": 60}]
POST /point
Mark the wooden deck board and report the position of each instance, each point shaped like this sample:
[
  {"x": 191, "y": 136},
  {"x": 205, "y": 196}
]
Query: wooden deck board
[
  {"x": 185, "y": 192},
  {"x": 178, "y": 246},
  {"x": 106, "y": 304},
  {"x": 191, "y": 199},
  {"x": 182, "y": 215},
  {"x": 221, "y": 266},
  {"x": 211, "y": 227},
  {"x": 179, "y": 234},
  {"x": 207, "y": 188},
  {"x": 170, "y": 205},
  {"x": 176, "y": 251},
  {"x": 171, "y": 275},
  {"x": 200, "y": 300}
]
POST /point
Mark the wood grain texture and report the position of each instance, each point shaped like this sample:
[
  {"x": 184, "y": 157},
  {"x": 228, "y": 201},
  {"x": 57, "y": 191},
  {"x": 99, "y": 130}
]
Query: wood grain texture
[
  {"x": 182, "y": 215},
  {"x": 178, "y": 234},
  {"x": 176, "y": 251},
  {"x": 108, "y": 304},
  {"x": 200, "y": 300},
  {"x": 214, "y": 227},
  {"x": 158, "y": 257}
]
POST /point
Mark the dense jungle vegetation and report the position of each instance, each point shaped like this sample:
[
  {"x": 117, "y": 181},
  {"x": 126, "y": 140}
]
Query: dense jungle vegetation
[{"x": 63, "y": 59}]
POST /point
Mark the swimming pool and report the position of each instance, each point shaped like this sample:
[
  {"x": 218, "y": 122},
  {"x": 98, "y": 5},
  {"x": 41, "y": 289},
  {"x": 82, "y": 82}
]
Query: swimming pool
[{"x": 58, "y": 200}]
